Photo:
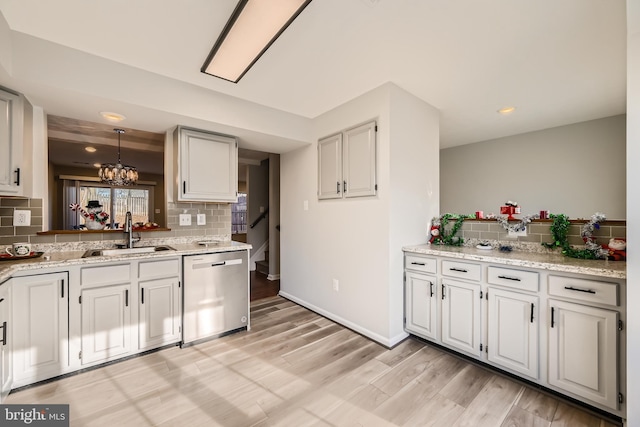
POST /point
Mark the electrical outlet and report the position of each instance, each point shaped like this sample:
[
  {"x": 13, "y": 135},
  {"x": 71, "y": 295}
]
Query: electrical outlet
[
  {"x": 201, "y": 219},
  {"x": 336, "y": 285},
  {"x": 21, "y": 218},
  {"x": 517, "y": 233},
  {"x": 185, "y": 219}
]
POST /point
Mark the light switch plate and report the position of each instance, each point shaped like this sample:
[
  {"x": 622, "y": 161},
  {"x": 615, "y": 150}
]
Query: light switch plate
[
  {"x": 201, "y": 219},
  {"x": 185, "y": 219},
  {"x": 21, "y": 218}
]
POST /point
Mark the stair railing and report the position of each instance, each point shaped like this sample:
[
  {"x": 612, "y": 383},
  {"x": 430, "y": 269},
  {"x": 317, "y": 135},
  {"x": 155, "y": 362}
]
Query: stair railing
[{"x": 262, "y": 216}]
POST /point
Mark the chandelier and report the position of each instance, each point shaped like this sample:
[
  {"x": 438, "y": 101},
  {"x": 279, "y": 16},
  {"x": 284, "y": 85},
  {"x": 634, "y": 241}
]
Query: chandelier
[{"x": 118, "y": 174}]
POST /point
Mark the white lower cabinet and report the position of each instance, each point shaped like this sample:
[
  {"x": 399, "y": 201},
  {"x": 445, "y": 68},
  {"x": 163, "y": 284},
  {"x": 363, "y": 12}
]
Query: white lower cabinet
[
  {"x": 159, "y": 313},
  {"x": 461, "y": 316},
  {"x": 106, "y": 323},
  {"x": 6, "y": 365},
  {"x": 421, "y": 301},
  {"x": 562, "y": 331},
  {"x": 583, "y": 346},
  {"x": 512, "y": 331},
  {"x": 40, "y": 327}
]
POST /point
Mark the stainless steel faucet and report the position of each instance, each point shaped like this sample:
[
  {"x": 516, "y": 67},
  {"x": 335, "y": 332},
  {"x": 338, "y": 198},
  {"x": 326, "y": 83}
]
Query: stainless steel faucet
[{"x": 128, "y": 230}]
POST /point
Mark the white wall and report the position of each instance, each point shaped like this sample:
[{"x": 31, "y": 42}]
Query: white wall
[
  {"x": 358, "y": 241},
  {"x": 586, "y": 160},
  {"x": 415, "y": 189},
  {"x": 5, "y": 47},
  {"x": 633, "y": 212}
]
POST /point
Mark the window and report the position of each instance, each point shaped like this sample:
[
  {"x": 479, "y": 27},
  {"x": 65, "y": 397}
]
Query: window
[
  {"x": 116, "y": 201},
  {"x": 239, "y": 215}
]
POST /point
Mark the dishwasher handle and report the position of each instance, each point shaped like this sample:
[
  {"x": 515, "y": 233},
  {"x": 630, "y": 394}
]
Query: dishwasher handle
[{"x": 216, "y": 263}]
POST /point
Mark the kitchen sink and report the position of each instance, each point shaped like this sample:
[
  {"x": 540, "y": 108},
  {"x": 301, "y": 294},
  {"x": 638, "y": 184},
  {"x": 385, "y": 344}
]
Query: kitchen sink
[{"x": 126, "y": 251}]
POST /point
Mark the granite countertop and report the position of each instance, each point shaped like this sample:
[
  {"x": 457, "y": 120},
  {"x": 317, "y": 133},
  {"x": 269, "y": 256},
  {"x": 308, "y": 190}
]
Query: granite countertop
[
  {"x": 549, "y": 260},
  {"x": 71, "y": 258}
]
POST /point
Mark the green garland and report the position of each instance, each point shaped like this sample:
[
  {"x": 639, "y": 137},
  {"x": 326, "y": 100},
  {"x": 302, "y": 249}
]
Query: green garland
[
  {"x": 450, "y": 238},
  {"x": 559, "y": 231}
]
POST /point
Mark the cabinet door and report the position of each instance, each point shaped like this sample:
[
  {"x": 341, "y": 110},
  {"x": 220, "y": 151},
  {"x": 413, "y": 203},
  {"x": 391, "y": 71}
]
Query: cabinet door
[
  {"x": 330, "y": 167},
  {"x": 10, "y": 145},
  {"x": 513, "y": 331},
  {"x": 159, "y": 313},
  {"x": 583, "y": 350},
  {"x": 461, "y": 316},
  {"x": 208, "y": 167},
  {"x": 40, "y": 327},
  {"x": 106, "y": 320},
  {"x": 420, "y": 305},
  {"x": 359, "y": 171},
  {"x": 6, "y": 370}
]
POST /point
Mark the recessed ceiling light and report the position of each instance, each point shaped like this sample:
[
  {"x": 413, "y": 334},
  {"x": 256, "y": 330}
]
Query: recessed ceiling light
[
  {"x": 507, "y": 110},
  {"x": 112, "y": 117},
  {"x": 90, "y": 149},
  {"x": 97, "y": 165}
]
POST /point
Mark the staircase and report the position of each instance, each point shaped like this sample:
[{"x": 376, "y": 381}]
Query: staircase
[{"x": 263, "y": 266}]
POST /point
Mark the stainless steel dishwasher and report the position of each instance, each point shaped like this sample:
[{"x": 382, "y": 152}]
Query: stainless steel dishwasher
[{"x": 216, "y": 295}]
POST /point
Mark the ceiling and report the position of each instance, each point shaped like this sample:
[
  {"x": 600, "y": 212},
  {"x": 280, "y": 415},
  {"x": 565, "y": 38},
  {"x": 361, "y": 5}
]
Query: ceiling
[{"x": 557, "y": 62}]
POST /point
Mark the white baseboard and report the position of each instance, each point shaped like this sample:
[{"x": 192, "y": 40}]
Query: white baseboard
[
  {"x": 387, "y": 342},
  {"x": 273, "y": 277}
]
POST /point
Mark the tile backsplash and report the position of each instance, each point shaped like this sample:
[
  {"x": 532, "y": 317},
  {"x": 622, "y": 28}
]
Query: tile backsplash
[
  {"x": 218, "y": 224},
  {"x": 8, "y": 232},
  {"x": 538, "y": 232}
]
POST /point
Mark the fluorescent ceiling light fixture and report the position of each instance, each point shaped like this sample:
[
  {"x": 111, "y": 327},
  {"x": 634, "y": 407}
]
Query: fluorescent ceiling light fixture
[
  {"x": 252, "y": 28},
  {"x": 507, "y": 110},
  {"x": 112, "y": 117}
]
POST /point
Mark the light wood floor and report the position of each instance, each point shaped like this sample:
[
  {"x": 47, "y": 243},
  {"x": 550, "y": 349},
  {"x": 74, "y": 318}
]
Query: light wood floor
[{"x": 295, "y": 368}]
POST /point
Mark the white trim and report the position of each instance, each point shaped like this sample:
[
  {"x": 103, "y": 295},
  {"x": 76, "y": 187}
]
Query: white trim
[
  {"x": 387, "y": 342},
  {"x": 273, "y": 277},
  {"x": 258, "y": 255}
]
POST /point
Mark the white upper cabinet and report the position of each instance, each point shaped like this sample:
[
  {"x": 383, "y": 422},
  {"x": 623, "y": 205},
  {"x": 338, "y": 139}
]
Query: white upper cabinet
[
  {"x": 11, "y": 183},
  {"x": 347, "y": 163},
  {"x": 330, "y": 167},
  {"x": 207, "y": 166}
]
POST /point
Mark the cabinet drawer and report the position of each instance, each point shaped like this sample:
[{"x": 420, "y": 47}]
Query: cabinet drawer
[
  {"x": 159, "y": 268},
  {"x": 584, "y": 290},
  {"x": 418, "y": 263},
  {"x": 516, "y": 279},
  {"x": 463, "y": 270},
  {"x": 91, "y": 276}
]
